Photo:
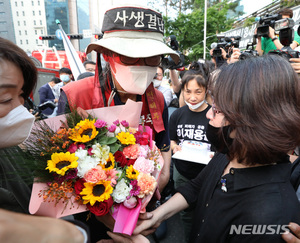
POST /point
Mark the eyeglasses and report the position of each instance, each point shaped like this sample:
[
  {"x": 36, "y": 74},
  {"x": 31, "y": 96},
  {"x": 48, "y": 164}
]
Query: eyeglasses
[
  {"x": 149, "y": 61},
  {"x": 215, "y": 110}
]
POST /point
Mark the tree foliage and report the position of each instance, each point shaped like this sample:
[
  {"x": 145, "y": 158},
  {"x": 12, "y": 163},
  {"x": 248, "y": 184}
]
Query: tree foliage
[{"x": 189, "y": 27}]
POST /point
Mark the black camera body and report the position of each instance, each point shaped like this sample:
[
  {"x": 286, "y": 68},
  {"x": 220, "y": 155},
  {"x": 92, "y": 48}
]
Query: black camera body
[
  {"x": 168, "y": 62},
  {"x": 226, "y": 43},
  {"x": 286, "y": 52},
  {"x": 265, "y": 22},
  {"x": 37, "y": 109},
  {"x": 249, "y": 52}
]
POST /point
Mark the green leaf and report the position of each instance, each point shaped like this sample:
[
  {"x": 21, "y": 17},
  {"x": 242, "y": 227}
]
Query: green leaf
[{"x": 114, "y": 147}]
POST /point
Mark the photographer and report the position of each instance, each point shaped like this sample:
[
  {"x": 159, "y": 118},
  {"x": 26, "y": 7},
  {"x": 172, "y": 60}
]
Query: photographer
[
  {"x": 266, "y": 44},
  {"x": 219, "y": 60}
]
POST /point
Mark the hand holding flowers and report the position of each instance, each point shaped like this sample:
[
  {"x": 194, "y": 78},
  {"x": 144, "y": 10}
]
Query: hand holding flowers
[{"x": 88, "y": 162}]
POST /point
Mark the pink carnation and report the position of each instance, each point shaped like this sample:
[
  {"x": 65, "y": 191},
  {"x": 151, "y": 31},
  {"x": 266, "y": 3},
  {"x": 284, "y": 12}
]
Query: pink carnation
[
  {"x": 147, "y": 184},
  {"x": 116, "y": 122},
  {"x": 144, "y": 149},
  {"x": 95, "y": 174},
  {"x": 124, "y": 123},
  {"x": 112, "y": 176},
  {"x": 90, "y": 151},
  {"x": 100, "y": 123},
  {"x": 132, "y": 151},
  {"x": 72, "y": 148},
  {"x": 112, "y": 128},
  {"x": 144, "y": 165}
]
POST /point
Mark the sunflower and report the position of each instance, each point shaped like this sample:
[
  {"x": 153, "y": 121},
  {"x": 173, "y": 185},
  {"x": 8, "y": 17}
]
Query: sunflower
[
  {"x": 132, "y": 173},
  {"x": 126, "y": 138},
  {"x": 110, "y": 163},
  {"x": 97, "y": 192},
  {"x": 84, "y": 131},
  {"x": 61, "y": 162}
]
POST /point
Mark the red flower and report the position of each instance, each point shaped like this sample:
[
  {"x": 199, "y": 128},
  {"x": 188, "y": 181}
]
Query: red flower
[
  {"x": 142, "y": 138},
  {"x": 78, "y": 186},
  {"x": 130, "y": 162},
  {"x": 120, "y": 158},
  {"x": 101, "y": 208}
]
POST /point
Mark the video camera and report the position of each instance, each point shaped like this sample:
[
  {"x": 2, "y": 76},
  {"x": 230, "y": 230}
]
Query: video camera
[
  {"x": 265, "y": 22},
  {"x": 226, "y": 43},
  {"x": 249, "y": 52},
  {"x": 286, "y": 36},
  {"x": 29, "y": 104},
  {"x": 168, "y": 62}
]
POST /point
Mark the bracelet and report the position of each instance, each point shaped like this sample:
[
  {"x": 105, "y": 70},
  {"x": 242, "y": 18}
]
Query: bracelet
[{"x": 275, "y": 38}]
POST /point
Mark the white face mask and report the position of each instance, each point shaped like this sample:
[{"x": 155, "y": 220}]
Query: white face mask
[
  {"x": 194, "y": 107},
  {"x": 156, "y": 83},
  {"x": 15, "y": 127},
  {"x": 134, "y": 79}
]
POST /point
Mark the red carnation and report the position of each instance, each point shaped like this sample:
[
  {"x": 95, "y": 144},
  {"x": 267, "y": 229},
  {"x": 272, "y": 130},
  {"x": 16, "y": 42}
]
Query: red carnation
[
  {"x": 130, "y": 162},
  {"x": 142, "y": 138},
  {"x": 101, "y": 208},
  {"x": 78, "y": 186},
  {"x": 120, "y": 158}
]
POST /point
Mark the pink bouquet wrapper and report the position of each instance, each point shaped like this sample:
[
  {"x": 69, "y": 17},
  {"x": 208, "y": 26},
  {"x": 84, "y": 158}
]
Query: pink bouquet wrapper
[
  {"x": 37, "y": 206},
  {"x": 130, "y": 112},
  {"x": 125, "y": 218}
]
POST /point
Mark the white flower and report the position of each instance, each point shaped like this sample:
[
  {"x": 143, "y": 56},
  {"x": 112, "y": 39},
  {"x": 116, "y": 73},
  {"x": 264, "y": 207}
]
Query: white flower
[
  {"x": 119, "y": 173},
  {"x": 85, "y": 162},
  {"x": 101, "y": 152},
  {"x": 110, "y": 134},
  {"x": 121, "y": 191},
  {"x": 81, "y": 153}
]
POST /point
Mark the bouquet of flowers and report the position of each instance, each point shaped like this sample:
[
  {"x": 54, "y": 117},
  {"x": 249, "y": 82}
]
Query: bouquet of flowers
[{"x": 104, "y": 167}]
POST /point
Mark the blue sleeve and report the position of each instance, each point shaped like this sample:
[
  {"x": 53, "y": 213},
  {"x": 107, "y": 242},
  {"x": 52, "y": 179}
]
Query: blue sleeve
[
  {"x": 43, "y": 95},
  {"x": 162, "y": 139}
]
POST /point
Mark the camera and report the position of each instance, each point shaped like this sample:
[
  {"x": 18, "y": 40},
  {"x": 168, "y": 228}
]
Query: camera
[
  {"x": 249, "y": 52},
  {"x": 168, "y": 62},
  {"x": 227, "y": 43},
  {"x": 29, "y": 104},
  {"x": 265, "y": 22},
  {"x": 286, "y": 36}
]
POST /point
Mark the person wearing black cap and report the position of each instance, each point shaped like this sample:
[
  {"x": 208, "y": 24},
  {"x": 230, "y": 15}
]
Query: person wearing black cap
[{"x": 133, "y": 47}]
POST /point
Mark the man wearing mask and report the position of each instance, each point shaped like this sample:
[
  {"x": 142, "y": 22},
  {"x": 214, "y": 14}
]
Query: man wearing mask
[
  {"x": 132, "y": 47},
  {"x": 65, "y": 74},
  {"x": 167, "y": 92},
  {"x": 47, "y": 93}
]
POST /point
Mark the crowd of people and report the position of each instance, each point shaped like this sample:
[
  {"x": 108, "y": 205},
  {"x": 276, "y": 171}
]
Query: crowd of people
[{"x": 248, "y": 111}]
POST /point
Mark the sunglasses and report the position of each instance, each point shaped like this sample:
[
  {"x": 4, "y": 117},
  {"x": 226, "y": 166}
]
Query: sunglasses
[{"x": 149, "y": 61}]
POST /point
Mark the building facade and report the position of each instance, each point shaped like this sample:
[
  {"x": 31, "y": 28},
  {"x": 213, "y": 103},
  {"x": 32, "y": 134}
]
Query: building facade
[{"x": 24, "y": 21}]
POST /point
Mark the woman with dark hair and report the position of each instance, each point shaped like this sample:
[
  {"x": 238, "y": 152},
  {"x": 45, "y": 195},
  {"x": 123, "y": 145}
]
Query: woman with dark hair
[
  {"x": 196, "y": 68},
  {"x": 244, "y": 194},
  {"x": 189, "y": 123},
  {"x": 18, "y": 78}
]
